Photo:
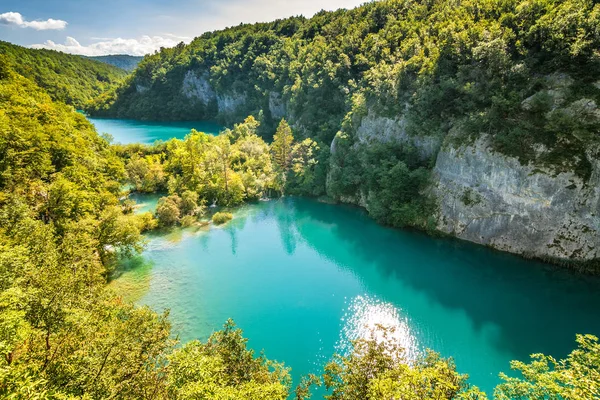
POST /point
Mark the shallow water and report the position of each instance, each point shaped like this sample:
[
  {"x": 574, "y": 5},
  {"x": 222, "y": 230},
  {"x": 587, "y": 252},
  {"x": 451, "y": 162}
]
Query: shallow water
[
  {"x": 302, "y": 278},
  {"x": 126, "y": 131}
]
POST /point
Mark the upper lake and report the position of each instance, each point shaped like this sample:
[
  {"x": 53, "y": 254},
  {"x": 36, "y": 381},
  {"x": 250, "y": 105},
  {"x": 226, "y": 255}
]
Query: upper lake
[
  {"x": 132, "y": 131},
  {"x": 303, "y": 278}
]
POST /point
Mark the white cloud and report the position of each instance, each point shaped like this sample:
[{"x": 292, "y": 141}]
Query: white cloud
[
  {"x": 135, "y": 47},
  {"x": 16, "y": 19}
]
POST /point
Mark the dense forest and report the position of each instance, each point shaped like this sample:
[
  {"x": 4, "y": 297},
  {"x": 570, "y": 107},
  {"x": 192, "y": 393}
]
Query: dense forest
[
  {"x": 66, "y": 78},
  {"x": 63, "y": 225},
  {"x": 517, "y": 70},
  {"x": 523, "y": 73}
]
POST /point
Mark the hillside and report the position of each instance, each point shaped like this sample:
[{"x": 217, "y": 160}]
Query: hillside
[
  {"x": 66, "y": 78},
  {"x": 123, "y": 61},
  {"x": 408, "y": 88}
]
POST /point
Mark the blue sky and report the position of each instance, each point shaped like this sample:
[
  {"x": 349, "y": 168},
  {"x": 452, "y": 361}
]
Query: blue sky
[{"x": 96, "y": 27}]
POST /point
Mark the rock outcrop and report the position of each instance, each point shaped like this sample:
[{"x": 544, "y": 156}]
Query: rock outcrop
[
  {"x": 277, "y": 106},
  {"x": 492, "y": 199},
  {"x": 386, "y": 130},
  {"x": 198, "y": 87}
]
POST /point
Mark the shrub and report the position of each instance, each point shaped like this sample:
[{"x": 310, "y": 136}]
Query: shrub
[
  {"x": 221, "y": 217},
  {"x": 188, "y": 220},
  {"x": 168, "y": 211}
]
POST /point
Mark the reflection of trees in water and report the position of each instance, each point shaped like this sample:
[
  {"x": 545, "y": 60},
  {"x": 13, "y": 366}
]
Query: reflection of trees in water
[
  {"x": 537, "y": 307},
  {"x": 287, "y": 226}
]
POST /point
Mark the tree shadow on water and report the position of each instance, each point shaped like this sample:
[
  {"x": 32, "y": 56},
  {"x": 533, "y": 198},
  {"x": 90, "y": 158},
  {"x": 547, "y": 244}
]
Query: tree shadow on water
[{"x": 537, "y": 307}]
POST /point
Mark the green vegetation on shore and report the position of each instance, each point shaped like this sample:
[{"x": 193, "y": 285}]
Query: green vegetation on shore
[{"x": 226, "y": 170}]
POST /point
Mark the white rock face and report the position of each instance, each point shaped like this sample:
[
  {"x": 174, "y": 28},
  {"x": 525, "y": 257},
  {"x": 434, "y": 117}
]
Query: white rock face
[
  {"x": 197, "y": 87},
  {"x": 489, "y": 198},
  {"x": 374, "y": 128},
  {"x": 277, "y": 106},
  {"x": 141, "y": 88},
  {"x": 228, "y": 103}
]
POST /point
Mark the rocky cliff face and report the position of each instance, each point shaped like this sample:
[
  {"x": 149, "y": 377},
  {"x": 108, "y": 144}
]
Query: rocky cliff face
[
  {"x": 492, "y": 199},
  {"x": 489, "y": 198},
  {"x": 197, "y": 87},
  {"x": 375, "y": 128}
]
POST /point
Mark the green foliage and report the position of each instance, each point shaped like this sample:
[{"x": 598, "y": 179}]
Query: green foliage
[
  {"x": 66, "y": 78},
  {"x": 281, "y": 148},
  {"x": 223, "y": 368},
  {"x": 378, "y": 368},
  {"x": 221, "y": 217},
  {"x": 390, "y": 179},
  {"x": 146, "y": 174},
  {"x": 576, "y": 377},
  {"x": 62, "y": 335},
  {"x": 168, "y": 210}
]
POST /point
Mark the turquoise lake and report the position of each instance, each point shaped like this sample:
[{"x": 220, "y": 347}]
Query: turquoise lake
[
  {"x": 302, "y": 278},
  {"x": 131, "y": 131}
]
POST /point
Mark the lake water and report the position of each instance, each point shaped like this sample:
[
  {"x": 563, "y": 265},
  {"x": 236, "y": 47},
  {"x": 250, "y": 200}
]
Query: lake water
[
  {"x": 132, "y": 131},
  {"x": 302, "y": 278}
]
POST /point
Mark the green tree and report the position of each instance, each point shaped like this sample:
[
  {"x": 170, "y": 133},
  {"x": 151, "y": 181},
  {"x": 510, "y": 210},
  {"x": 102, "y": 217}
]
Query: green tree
[
  {"x": 223, "y": 368},
  {"x": 378, "y": 368},
  {"x": 281, "y": 147},
  {"x": 576, "y": 377},
  {"x": 168, "y": 211}
]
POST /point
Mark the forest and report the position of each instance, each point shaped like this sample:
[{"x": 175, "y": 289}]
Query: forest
[
  {"x": 65, "y": 221},
  {"x": 522, "y": 72},
  {"x": 66, "y": 78},
  {"x": 64, "y": 335}
]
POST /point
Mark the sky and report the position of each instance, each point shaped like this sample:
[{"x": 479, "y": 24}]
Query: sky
[{"x": 137, "y": 27}]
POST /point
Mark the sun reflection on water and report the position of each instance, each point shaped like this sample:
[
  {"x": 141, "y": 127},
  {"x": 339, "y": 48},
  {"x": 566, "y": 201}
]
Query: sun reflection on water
[{"x": 361, "y": 319}]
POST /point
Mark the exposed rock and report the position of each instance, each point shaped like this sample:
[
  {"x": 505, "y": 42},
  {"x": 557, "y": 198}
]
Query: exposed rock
[
  {"x": 556, "y": 87},
  {"x": 584, "y": 108},
  {"x": 141, "y": 88},
  {"x": 198, "y": 87},
  {"x": 386, "y": 130},
  {"x": 229, "y": 103},
  {"x": 277, "y": 105},
  {"x": 359, "y": 200},
  {"x": 489, "y": 198}
]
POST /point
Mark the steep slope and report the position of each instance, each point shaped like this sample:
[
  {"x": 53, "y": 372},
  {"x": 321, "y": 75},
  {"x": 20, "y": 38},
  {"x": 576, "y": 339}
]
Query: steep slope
[
  {"x": 394, "y": 82},
  {"x": 66, "y": 78},
  {"x": 123, "y": 61}
]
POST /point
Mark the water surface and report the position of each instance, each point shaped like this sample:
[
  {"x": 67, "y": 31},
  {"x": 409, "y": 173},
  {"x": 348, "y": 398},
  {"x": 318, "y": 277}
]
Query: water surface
[
  {"x": 131, "y": 131},
  {"x": 302, "y": 278}
]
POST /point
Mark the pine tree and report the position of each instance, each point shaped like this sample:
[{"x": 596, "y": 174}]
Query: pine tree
[{"x": 281, "y": 148}]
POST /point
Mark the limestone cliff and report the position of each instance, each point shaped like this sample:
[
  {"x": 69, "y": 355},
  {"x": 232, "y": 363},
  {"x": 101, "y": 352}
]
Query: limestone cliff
[
  {"x": 489, "y": 198},
  {"x": 375, "y": 128},
  {"x": 493, "y": 199}
]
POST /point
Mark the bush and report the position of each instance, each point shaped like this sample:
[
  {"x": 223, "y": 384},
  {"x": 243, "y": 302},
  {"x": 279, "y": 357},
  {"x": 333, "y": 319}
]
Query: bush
[
  {"x": 188, "y": 220},
  {"x": 221, "y": 217},
  {"x": 146, "y": 222},
  {"x": 168, "y": 211}
]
